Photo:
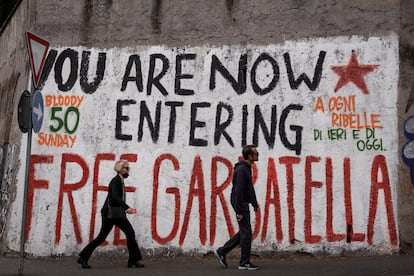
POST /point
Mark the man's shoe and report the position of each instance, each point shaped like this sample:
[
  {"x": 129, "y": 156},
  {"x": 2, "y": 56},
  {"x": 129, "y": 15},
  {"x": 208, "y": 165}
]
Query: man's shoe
[
  {"x": 221, "y": 258},
  {"x": 136, "y": 264},
  {"x": 248, "y": 266},
  {"x": 83, "y": 263}
]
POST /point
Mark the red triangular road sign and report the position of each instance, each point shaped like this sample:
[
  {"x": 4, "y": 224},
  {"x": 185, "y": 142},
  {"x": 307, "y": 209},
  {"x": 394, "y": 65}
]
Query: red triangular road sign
[{"x": 37, "y": 54}]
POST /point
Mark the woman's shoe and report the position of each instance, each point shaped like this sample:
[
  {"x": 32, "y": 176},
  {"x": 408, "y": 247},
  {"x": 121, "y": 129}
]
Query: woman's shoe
[
  {"x": 136, "y": 264},
  {"x": 83, "y": 263}
]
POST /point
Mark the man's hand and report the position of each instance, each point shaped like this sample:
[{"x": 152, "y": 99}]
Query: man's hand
[
  {"x": 131, "y": 211},
  {"x": 239, "y": 217}
]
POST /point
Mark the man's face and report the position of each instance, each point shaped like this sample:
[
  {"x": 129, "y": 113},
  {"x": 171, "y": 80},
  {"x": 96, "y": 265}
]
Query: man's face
[{"x": 255, "y": 155}]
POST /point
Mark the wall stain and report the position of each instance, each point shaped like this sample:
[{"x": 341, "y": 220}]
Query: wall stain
[
  {"x": 86, "y": 15},
  {"x": 407, "y": 53},
  {"x": 156, "y": 16},
  {"x": 229, "y": 5}
]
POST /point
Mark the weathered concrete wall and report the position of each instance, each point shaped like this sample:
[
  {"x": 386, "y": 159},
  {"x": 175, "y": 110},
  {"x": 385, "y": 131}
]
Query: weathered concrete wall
[
  {"x": 406, "y": 111},
  {"x": 107, "y": 24},
  {"x": 14, "y": 72},
  {"x": 320, "y": 191}
]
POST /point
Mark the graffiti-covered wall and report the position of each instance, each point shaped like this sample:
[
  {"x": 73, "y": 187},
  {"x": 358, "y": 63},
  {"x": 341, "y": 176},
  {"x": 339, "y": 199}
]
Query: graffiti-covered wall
[{"x": 321, "y": 111}]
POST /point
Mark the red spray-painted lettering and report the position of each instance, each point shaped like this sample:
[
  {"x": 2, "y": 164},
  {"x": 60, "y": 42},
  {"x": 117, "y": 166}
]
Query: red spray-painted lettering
[{"x": 379, "y": 183}]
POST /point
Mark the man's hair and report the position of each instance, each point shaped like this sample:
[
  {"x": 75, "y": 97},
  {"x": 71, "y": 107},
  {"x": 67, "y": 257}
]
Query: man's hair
[
  {"x": 247, "y": 150},
  {"x": 119, "y": 164}
]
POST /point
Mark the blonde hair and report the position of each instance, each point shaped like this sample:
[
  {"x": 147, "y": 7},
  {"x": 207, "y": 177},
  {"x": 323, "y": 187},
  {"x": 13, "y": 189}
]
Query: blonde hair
[{"x": 119, "y": 164}]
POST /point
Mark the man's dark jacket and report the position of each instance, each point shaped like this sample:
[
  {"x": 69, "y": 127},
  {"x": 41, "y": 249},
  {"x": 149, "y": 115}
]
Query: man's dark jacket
[{"x": 243, "y": 192}]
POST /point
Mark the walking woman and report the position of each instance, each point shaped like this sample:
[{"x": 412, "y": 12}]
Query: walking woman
[{"x": 114, "y": 213}]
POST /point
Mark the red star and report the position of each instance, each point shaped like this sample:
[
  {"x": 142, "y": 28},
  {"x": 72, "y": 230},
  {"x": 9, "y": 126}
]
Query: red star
[{"x": 353, "y": 72}]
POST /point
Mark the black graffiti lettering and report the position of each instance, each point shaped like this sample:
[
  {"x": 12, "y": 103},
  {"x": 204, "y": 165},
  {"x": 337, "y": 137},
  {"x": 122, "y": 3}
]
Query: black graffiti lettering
[
  {"x": 239, "y": 86},
  {"x": 256, "y": 88},
  {"x": 159, "y": 67},
  {"x": 90, "y": 88},
  {"x": 72, "y": 56},
  {"x": 297, "y": 145},
  {"x": 47, "y": 67},
  {"x": 133, "y": 60},
  {"x": 179, "y": 75},
  {"x": 151, "y": 116},
  {"x": 259, "y": 122},
  {"x": 120, "y": 117},
  {"x": 197, "y": 124},
  {"x": 173, "y": 119},
  {"x": 221, "y": 126},
  {"x": 245, "y": 115},
  {"x": 154, "y": 128},
  {"x": 156, "y": 80},
  {"x": 294, "y": 84}
]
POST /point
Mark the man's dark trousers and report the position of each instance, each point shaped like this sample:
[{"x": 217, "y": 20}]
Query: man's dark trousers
[{"x": 243, "y": 237}]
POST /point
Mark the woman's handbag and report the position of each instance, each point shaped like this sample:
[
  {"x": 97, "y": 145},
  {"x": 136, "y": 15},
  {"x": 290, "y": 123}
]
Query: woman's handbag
[{"x": 116, "y": 212}]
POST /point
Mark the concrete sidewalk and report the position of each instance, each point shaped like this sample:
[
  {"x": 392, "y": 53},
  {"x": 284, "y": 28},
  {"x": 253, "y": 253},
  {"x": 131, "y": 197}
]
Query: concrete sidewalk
[{"x": 318, "y": 266}]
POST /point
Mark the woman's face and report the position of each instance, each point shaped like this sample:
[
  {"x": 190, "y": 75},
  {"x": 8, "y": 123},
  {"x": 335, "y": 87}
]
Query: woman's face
[{"x": 125, "y": 170}]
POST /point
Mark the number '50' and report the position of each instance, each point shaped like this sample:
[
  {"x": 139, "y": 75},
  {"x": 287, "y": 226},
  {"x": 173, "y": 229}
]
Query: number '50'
[{"x": 63, "y": 122}]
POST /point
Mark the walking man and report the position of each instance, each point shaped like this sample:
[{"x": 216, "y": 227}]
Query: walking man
[{"x": 242, "y": 193}]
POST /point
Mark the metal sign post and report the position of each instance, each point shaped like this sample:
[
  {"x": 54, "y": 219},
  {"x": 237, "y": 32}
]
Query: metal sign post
[
  {"x": 37, "y": 48},
  {"x": 26, "y": 185}
]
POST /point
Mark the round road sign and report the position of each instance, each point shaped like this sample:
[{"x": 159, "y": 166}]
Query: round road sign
[
  {"x": 37, "y": 111},
  {"x": 23, "y": 111}
]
